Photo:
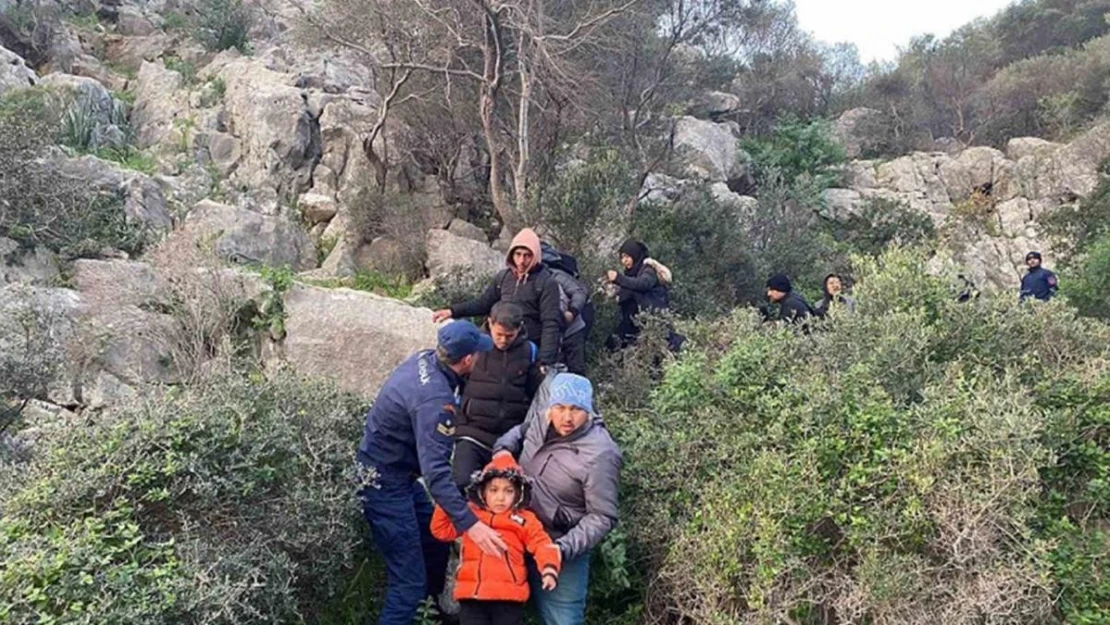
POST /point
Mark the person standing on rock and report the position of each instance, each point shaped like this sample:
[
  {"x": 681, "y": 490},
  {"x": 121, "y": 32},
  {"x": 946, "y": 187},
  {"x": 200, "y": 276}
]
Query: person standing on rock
[
  {"x": 410, "y": 433},
  {"x": 1038, "y": 282},
  {"x": 498, "y": 392},
  {"x": 527, "y": 283}
]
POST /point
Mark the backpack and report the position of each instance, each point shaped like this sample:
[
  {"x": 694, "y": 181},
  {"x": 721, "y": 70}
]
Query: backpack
[{"x": 557, "y": 259}]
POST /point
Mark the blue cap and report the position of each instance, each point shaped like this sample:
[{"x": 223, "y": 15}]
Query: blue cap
[
  {"x": 462, "y": 338},
  {"x": 568, "y": 389}
]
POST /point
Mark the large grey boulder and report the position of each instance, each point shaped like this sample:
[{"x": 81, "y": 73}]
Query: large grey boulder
[
  {"x": 467, "y": 230},
  {"x": 143, "y": 200},
  {"x": 856, "y": 130},
  {"x": 14, "y": 71},
  {"x": 244, "y": 237},
  {"x": 449, "y": 254},
  {"x": 93, "y": 110},
  {"x": 159, "y": 104},
  {"x": 29, "y": 266},
  {"x": 279, "y": 136},
  {"x": 711, "y": 151},
  {"x": 350, "y": 337},
  {"x": 714, "y": 104}
]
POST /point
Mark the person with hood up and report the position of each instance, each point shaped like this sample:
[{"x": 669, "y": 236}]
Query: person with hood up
[
  {"x": 833, "y": 293},
  {"x": 1038, "y": 283},
  {"x": 643, "y": 287},
  {"x": 793, "y": 308},
  {"x": 575, "y": 305},
  {"x": 528, "y": 283},
  {"x": 498, "y": 392},
  {"x": 575, "y": 466},
  {"x": 493, "y": 591}
]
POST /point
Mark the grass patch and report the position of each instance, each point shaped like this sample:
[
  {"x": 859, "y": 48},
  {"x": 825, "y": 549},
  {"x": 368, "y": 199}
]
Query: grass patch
[
  {"x": 369, "y": 281},
  {"x": 129, "y": 158}
]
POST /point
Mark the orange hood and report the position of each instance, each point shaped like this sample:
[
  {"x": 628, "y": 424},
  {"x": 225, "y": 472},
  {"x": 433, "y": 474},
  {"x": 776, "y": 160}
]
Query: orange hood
[{"x": 529, "y": 240}]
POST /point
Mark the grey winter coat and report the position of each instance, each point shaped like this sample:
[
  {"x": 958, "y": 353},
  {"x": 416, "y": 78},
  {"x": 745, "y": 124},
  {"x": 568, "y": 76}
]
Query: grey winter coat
[
  {"x": 575, "y": 479},
  {"x": 573, "y": 297}
]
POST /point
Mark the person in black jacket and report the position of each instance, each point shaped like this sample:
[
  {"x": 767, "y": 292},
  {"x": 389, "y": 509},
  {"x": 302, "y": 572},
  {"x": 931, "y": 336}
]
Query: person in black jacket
[
  {"x": 793, "y": 308},
  {"x": 1038, "y": 282},
  {"x": 528, "y": 283},
  {"x": 643, "y": 287},
  {"x": 498, "y": 392},
  {"x": 574, "y": 302}
]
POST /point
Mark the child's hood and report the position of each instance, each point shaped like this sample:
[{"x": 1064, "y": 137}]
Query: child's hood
[{"x": 504, "y": 466}]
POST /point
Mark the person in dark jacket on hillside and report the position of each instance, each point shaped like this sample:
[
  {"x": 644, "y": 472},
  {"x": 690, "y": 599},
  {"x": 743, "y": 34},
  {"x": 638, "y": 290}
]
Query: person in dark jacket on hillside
[
  {"x": 833, "y": 294},
  {"x": 1038, "y": 282},
  {"x": 528, "y": 283},
  {"x": 575, "y": 467},
  {"x": 574, "y": 303},
  {"x": 498, "y": 392},
  {"x": 643, "y": 287},
  {"x": 793, "y": 308},
  {"x": 409, "y": 433}
]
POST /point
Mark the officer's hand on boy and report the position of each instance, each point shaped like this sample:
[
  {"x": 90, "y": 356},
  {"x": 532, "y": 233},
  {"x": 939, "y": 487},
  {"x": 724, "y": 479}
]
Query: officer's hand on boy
[
  {"x": 550, "y": 581},
  {"x": 569, "y": 316},
  {"x": 441, "y": 315},
  {"x": 487, "y": 539}
]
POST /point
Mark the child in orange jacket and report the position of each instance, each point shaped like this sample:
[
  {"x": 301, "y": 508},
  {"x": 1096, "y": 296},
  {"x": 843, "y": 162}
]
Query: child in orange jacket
[{"x": 492, "y": 590}]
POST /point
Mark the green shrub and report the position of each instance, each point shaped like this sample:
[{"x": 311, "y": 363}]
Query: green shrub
[
  {"x": 878, "y": 224},
  {"x": 223, "y": 24},
  {"x": 796, "y": 148},
  {"x": 704, "y": 243},
  {"x": 1086, "y": 280},
  {"x": 226, "y": 503},
  {"x": 921, "y": 461}
]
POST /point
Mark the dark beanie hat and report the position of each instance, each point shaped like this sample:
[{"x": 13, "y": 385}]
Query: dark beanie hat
[
  {"x": 1036, "y": 255},
  {"x": 779, "y": 282}
]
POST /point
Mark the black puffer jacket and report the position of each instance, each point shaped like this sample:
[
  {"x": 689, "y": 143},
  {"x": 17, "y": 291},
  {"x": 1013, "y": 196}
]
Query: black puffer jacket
[
  {"x": 794, "y": 308},
  {"x": 499, "y": 392}
]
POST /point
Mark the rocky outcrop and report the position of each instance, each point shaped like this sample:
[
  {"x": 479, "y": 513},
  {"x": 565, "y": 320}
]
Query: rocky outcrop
[
  {"x": 710, "y": 151},
  {"x": 244, "y": 237},
  {"x": 144, "y": 203},
  {"x": 856, "y": 130},
  {"x": 467, "y": 230},
  {"x": 159, "y": 104},
  {"x": 449, "y": 255},
  {"x": 94, "y": 109},
  {"x": 351, "y": 337},
  {"x": 14, "y": 72},
  {"x": 28, "y": 266}
]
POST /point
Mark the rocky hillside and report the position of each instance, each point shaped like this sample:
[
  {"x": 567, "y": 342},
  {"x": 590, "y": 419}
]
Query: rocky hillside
[{"x": 264, "y": 158}]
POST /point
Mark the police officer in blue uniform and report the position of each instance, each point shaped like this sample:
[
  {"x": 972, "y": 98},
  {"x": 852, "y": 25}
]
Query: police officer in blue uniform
[
  {"x": 409, "y": 434},
  {"x": 1038, "y": 282}
]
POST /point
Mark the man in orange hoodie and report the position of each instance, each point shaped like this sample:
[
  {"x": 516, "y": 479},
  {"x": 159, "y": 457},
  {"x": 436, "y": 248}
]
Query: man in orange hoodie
[
  {"x": 528, "y": 283},
  {"x": 492, "y": 590}
]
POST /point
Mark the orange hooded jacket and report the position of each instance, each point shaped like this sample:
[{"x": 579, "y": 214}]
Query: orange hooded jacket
[{"x": 484, "y": 577}]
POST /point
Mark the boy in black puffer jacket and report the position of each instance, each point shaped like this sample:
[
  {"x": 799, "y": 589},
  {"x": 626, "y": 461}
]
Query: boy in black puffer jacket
[{"x": 498, "y": 392}]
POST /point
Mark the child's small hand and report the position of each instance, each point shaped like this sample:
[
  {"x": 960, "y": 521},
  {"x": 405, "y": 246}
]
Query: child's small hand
[{"x": 550, "y": 581}]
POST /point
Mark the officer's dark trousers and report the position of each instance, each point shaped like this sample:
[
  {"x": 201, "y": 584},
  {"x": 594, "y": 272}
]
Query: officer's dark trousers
[
  {"x": 400, "y": 515},
  {"x": 574, "y": 352},
  {"x": 469, "y": 457}
]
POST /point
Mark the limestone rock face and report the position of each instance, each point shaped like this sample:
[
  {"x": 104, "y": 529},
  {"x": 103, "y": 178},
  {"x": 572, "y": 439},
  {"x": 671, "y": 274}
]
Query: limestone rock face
[
  {"x": 159, "y": 104},
  {"x": 245, "y": 237},
  {"x": 35, "y": 266},
  {"x": 467, "y": 230},
  {"x": 143, "y": 200},
  {"x": 852, "y": 129},
  {"x": 449, "y": 254},
  {"x": 94, "y": 105},
  {"x": 351, "y": 337},
  {"x": 279, "y": 137},
  {"x": 14, "y": 71},
  {"x": 710, "y": 150}
]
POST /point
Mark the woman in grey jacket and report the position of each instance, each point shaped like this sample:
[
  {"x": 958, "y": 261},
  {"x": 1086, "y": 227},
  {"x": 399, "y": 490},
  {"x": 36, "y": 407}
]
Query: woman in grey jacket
[{"x": 574, "y": 466}]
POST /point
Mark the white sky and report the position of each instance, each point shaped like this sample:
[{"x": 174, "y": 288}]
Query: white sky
[{"x": 879, "y": 27}]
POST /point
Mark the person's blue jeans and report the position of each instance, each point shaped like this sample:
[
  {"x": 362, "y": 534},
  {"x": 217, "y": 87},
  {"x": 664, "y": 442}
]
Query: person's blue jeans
[
  {"x": 566, "y": 605},
  {"x": 400, "y": 517}
]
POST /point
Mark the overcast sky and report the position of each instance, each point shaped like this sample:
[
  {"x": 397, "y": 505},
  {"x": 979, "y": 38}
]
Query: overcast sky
[{"x": 878, "y": 27}]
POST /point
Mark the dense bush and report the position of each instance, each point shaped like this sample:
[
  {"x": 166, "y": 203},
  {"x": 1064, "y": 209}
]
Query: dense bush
[
  {"x": 38, "y": 207},
  {"x": 1086, "y": 280},
  {"x": 920, "y": 461},
  {"x": 230, "y": 502},
  {"x": 796, "y": 149},
  {"x": 223, "y": 24}
]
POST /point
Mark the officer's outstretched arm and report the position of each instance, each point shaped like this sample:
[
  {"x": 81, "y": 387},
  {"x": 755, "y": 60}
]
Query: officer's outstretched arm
[{"x": 435, "y": 429}]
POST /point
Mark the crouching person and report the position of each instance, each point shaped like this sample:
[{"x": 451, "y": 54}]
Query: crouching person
[
  {"x": 576, "y": 475},
  {"x": 493, "y": 591}
]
